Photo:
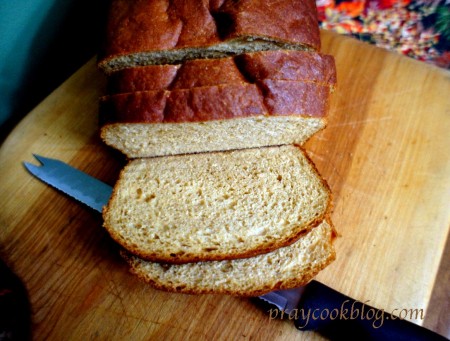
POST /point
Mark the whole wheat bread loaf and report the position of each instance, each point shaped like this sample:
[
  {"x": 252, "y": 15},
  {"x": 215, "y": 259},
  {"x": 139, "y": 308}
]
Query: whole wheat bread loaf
[
  {"x": 253, "y": 100},
  {"x": 215, "y": 206},
  {"x": 287, "y": 267},
  {"x": 143, "y": 32}
]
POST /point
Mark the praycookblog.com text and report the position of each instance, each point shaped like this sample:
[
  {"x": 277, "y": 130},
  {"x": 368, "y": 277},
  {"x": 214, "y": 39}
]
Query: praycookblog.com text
[{"x": 349, "y": 310}]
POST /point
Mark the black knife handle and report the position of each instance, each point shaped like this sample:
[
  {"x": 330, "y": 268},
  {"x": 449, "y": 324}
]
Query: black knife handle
[{"x": 340, "y": 317}]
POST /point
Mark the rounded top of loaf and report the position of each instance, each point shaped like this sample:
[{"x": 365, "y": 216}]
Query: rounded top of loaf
[{"x": 144, "y": 32}]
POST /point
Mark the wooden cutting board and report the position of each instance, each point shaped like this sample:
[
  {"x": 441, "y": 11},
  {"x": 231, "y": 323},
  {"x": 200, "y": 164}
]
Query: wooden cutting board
[{"x": 385, "y": 155}]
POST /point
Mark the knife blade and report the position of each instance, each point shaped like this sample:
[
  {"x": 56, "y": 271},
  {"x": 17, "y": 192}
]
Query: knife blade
[
  {"x": 305, "y": 305},
  {"x": 73, "y": 182}
]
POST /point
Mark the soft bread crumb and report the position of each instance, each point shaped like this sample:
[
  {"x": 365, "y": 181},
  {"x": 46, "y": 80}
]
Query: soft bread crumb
[
  {"x": 230, "y": 48},
  {"x": 157, "y": 139}
]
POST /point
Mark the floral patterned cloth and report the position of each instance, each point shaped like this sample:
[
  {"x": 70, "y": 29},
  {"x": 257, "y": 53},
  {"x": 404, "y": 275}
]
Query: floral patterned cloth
[{"x": 417, "y": 28}]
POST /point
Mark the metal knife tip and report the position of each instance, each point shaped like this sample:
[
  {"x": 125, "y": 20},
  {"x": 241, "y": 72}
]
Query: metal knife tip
[
  {"x": 34, "y": 169},
  {"x": 41, "y": 159},
  {"x": 30, "y": 167}
]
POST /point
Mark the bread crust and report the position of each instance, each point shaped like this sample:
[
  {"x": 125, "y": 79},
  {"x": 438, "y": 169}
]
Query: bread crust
[
  {"x": 140, "y": 106},
  {"x": 288, "y": 66},
  {"x": 156, "y": 77},
  {"x": 263, "y": 83},
  {"x": 288, "y": 97},
  {"x": 207, "y": 72},
  {"x": 288, "y": 21},
  {"x": 308, "y": 67},
  {"x": 183, "y": 105},
  {"x": 216, "y": 103},
  {"x": 143, "y": 25}
]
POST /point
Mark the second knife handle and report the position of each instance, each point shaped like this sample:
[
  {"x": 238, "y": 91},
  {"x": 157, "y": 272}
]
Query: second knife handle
[{"x": 337, "y": 317}]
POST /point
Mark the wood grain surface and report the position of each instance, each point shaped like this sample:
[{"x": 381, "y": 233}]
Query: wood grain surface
[{"x": 385, "y": 154}]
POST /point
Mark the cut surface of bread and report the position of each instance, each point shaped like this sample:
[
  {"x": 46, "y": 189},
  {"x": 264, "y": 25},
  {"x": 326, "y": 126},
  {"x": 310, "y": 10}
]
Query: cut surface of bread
[
  {"x": 147, "y": 140},
  {"x": 287, "y": 267},
  {"x": 144, "y": 32},
  {"x": 215, "y": 206}
]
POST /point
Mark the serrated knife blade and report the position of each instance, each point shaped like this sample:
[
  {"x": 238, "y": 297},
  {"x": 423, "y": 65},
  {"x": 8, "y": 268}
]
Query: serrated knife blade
[{"x": 73, "y": 182}]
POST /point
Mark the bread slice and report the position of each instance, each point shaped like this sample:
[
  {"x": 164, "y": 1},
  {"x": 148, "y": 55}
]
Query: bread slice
[
  {"x": 143, "y": 32},
  {"x": 158, "y": 139},
  {"x": 285, "y": 268},
  {"x": 216, "y": 206}
]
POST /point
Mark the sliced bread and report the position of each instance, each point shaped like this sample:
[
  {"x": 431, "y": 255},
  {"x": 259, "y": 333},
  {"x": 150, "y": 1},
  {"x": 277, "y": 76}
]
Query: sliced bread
[
  {"x": 285, "y": 268},
  {"x": 252, "y": 100},
  {"x": 216, "y": 206}
]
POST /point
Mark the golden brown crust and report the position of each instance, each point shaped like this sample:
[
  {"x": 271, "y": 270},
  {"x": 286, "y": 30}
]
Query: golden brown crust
[
  {"x": 208, "y": 103},
  {"x": 289, "y": 21},
  {"x": 155, "y": 77},
  {"x": 289, "y": 66},
  {"x": 191, "y": 74},
  {"x": 189, "y": 105},
  {"x": 214, "y": 103},
  {"x": 289, "y": 83},
  {"x": 148, "y": 106},
  {"x": 143, "y": 25},
  {"x": 288, "y": 97},
  {"x": 199, "y": 28},
  {"x": 207, "y": 72}
]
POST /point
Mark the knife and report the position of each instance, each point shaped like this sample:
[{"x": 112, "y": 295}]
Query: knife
[{"x": 312, "y": 307}]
